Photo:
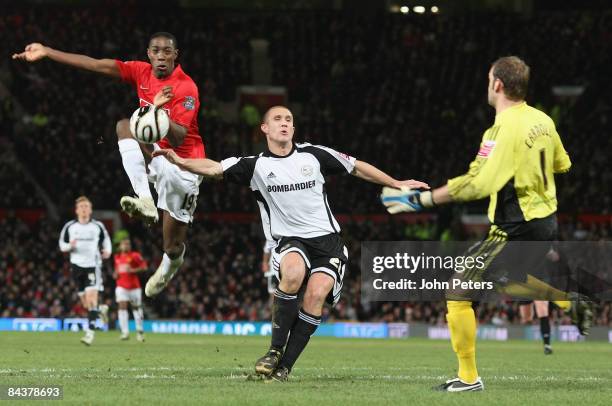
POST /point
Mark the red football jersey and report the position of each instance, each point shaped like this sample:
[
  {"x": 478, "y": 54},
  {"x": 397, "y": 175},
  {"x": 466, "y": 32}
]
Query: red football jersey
[
  {"x": 182, "y": 109},
  {"x": 123, "y": 262}
]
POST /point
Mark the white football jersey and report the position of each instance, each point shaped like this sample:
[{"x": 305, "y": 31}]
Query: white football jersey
[
  {"x": 290, "y": 190},
  {"x": 90, "y": 239}
]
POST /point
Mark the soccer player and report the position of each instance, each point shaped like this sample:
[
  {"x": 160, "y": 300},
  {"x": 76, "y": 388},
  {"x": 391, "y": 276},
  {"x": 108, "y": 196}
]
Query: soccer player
[
  {"x": 541, "y": 310},
  {"x": 288, "y": 181},
  {"x": 85, "y": 239},
  {"x": 515, "y": 167},
  {"x": 127, "y": 265},
  {"x": 161, "y": 83}
]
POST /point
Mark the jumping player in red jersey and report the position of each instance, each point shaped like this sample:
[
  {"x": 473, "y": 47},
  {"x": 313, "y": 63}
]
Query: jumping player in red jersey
[
  {"x": 161, "y": 83},
  {"x": 127, "y": 265}
]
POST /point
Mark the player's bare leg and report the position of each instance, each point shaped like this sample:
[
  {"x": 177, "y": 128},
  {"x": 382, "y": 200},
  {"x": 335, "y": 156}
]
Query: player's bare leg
[
  {"x": 309, "y": 317},
  {"x": 83, "y": 300},
  {"x": 123, "y": 317},
  {"x": 135, "y": 157},
  {"x": 284, "y": 310},
  {"x": 175, "y": 235},
  {"x": 91, "y": 302},
  {"x": 526, "y": 312}
]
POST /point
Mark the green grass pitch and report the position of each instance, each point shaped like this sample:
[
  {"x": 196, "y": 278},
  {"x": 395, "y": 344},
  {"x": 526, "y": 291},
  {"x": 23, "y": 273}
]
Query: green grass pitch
[{"x": 188, "y": 369}]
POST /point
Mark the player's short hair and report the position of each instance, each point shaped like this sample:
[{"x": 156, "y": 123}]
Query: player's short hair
[
  {"x": 82, "y": 199},
  {"x": 167, "y": 35},
  {"x": 265, "y": 116},
  {"x": 514, "y": 74}
]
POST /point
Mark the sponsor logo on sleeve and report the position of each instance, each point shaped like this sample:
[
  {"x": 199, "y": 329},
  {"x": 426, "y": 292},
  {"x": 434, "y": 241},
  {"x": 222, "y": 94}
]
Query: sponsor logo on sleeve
[
  {"x": 345, "y": 156},
  {"x": 189, "y": 103},
  {"x": 486, "y": 149}
]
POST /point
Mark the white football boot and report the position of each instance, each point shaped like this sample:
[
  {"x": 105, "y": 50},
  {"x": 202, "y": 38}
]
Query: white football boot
[
  {"x": 143, "y": 207},
  {"x": 88, "y": 338},
  {"x": 157, "y": 282},
  {"x": 457, "y": 385}
]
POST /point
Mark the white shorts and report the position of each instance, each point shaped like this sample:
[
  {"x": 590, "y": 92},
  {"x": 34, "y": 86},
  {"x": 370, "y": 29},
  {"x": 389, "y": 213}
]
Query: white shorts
[
  {"x": 134, "y": 296},
  {"x": 177, "y": 190}
]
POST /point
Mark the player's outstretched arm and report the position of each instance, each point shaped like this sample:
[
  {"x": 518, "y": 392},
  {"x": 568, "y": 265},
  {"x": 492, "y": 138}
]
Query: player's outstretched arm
[
  {"x": 35, "y": 52},
  {"x": 372, "y": 174},
  {"x": 205, "y": 167}
]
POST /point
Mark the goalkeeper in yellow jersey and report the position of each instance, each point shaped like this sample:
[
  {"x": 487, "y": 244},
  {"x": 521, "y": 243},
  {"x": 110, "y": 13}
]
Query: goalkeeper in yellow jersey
[{"x": 515, "y": 168}]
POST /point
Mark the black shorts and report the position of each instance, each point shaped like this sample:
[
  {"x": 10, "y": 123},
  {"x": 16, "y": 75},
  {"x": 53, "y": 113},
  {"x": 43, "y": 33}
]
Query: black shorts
[
  {"x": 326, "y": 254},
  {"x": 544, "y": 229},
  {"x": 511, "y": 262},
  {"x": 85, "y": 278}
]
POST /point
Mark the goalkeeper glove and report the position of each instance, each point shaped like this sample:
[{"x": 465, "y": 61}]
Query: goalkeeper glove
[{"x": 405, "y": 199}]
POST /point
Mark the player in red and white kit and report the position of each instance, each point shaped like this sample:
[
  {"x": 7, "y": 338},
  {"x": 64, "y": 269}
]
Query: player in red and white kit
[
  {"x": 127, "y": 265},
  {"x": 164, "y": 84}
]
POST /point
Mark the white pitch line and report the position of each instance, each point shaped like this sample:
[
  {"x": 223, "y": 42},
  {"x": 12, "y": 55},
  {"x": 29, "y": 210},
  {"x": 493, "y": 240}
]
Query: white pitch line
[
  {"x": 513, "y": 378},
  {"x": 241, "y": 373}
]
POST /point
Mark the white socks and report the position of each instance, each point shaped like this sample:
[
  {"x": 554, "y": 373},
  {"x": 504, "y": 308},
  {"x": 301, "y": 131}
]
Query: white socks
[
  {"x": 137, "y": 312},
  {"x": 123, "y": 321},
  {"x": 134, "y": 165},
  {"x": 124, "y": 318},
  {"x": 170, "y": 266}
]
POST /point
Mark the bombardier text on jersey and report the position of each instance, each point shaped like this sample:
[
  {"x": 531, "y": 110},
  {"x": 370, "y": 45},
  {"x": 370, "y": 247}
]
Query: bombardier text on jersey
[
  {"x": 292, "y": 187},
  {"x": 303, "y": 212}
]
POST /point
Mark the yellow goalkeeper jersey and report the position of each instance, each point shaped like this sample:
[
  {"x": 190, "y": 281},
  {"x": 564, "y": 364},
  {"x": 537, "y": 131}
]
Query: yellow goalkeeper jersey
[{"x": 515, "y": 167}]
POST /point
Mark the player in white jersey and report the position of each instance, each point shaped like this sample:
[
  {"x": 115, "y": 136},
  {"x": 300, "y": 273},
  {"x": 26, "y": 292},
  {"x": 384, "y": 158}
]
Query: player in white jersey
[
  {"x": 86, "y": 240},
  {"x": 288, "y": 181}
]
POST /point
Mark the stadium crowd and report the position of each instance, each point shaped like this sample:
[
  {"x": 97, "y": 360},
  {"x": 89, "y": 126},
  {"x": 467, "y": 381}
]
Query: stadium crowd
[
  {"x": 404, "y": 92},
  {"x": 222, "y": 278}
]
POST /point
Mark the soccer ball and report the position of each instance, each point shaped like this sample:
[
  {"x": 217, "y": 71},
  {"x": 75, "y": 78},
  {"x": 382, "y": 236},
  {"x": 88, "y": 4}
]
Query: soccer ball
[{"x": 149, "y": 124}]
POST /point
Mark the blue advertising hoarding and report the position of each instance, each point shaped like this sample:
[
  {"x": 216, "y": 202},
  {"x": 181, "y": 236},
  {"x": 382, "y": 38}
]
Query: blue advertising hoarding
[
  {"x": 340, "y": 329},
  {"x": 30, "y": 324}
]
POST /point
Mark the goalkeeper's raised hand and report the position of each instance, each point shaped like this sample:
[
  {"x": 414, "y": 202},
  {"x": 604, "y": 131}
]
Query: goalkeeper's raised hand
[{"x": 405, "y": 199}]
